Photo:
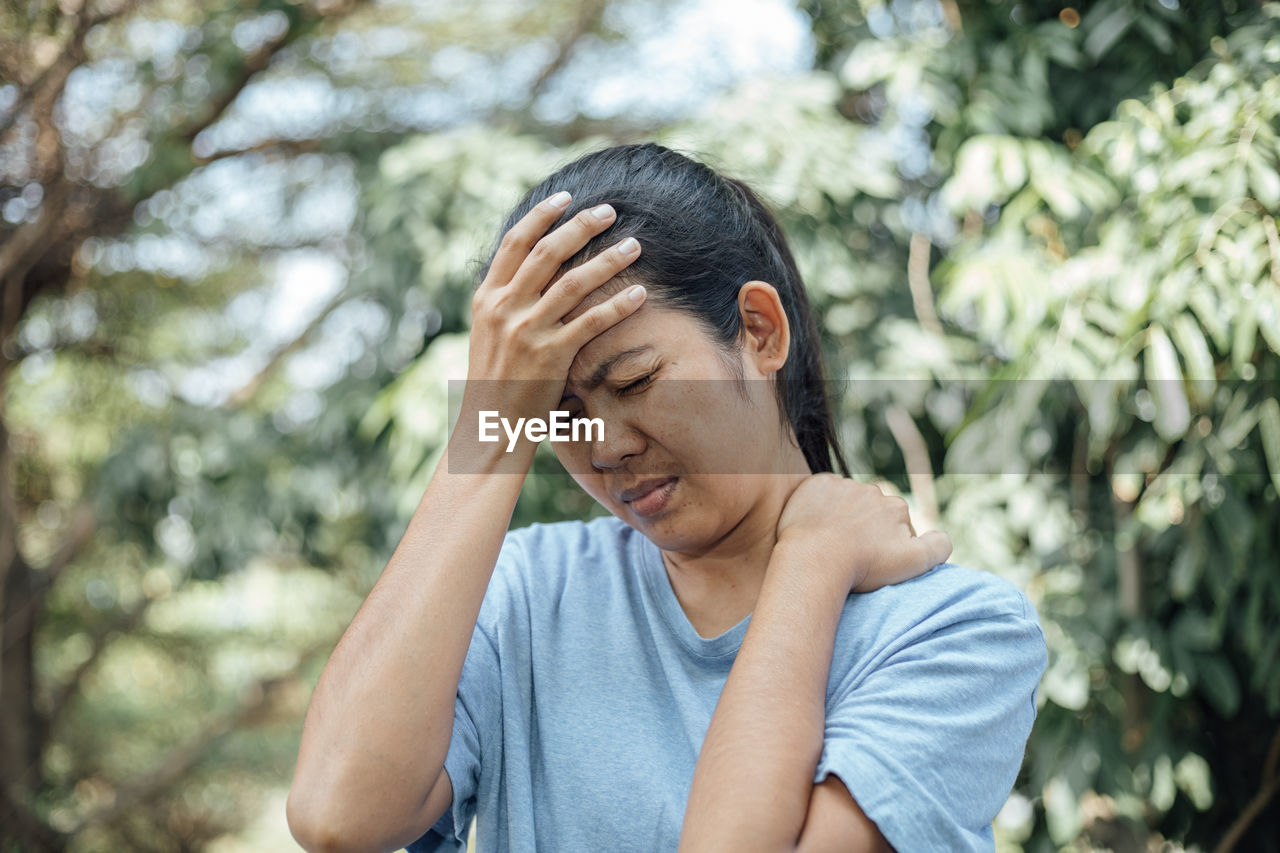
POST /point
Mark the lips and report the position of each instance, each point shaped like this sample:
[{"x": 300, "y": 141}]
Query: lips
[
  {"x": 643, "y": 488},
  {"x": 651, "y": 498}
]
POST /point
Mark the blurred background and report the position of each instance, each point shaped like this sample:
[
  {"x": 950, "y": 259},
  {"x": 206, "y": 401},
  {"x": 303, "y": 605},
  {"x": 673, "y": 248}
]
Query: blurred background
[{"x": 237, "y": 242}]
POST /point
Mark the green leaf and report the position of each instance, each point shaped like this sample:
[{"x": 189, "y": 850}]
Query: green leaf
[
  {"x": 1268, "y": 317},
  {"x": 1193, "y": 630},
  {"x": 1107, "y": 28},
  {"x": 1219, "y": 684},
  {"x": 1245, "y": 337},
  {"x": 1187, "y": 565},
  {"x": 1193, "y": 776},
  {"x": 1267, "y": 666},
  {"x": 1157, "y": 32},
  {"x": 1164, "y": 380},
  {"x": 1195, "y": 355},
  {"x": 1269, "y": 429},
  {"x": 1265, "y": 183}
]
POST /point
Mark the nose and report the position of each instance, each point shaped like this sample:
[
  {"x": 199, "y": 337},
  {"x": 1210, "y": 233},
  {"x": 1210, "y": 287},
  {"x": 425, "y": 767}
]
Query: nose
[{"x": 618, "y": 443}]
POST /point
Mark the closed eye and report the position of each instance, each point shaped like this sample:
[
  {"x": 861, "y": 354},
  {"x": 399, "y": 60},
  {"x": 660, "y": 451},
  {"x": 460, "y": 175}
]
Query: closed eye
[{"x": 639, "y": 385}]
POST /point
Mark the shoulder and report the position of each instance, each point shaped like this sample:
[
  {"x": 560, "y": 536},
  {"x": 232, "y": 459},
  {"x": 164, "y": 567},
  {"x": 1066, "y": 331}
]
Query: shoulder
[
  {"x": 945, "y": 594},
  {"x": 563, "y": 548},
  {"x": 547, "y": 564},
  {"x": 949, "y": 610}
]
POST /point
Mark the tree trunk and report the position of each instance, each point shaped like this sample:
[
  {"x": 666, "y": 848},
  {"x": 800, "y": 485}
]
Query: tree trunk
[{"x": 22, "y": 730}]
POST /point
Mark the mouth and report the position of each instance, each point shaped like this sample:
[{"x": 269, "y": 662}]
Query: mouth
[{"x": 649, "y": 497}]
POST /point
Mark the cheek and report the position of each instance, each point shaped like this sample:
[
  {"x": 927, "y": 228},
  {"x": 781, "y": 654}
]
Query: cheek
[
  {"x": 575, "y": 457},
  {"x": 593, "y": 485}
]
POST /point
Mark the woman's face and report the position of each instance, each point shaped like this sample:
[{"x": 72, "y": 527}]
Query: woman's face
[{"x": 688, "y": 452}]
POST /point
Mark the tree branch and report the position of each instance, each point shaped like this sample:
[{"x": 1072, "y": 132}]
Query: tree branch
[
  {"x": 22, "y": 250},
  {"x": 258, "y": 61},
  {"x": 246, "y": 392},
  {"x": 1270, "y": 784},
  {"x": 62, "y": 698},
  {"x": 589, "y": 17},
  {"x": 254, "y": 700},
  {"x": 79, "y": 534},
  {"x": 918, "y": 282},
  {"x": 916, "y": 455},
  {"x": 52, "y": 79},
  {"x": 285, "y": 146}
]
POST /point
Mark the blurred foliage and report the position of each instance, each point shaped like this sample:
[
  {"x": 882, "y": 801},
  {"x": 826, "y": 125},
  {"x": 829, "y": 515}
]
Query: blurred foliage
[
  {"x": 1055, "y": 233},
  {"x": 1042, "y": 240},
  {"x": 189, "y": 513}
]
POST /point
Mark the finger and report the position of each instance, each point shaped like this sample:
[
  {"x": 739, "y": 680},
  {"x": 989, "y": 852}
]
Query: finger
[
  {"x": 604, "y": 316},
  {"x": 516, "y": 243},
  {"x": 934, "y": 547},
  {"x": 572, "y": 287},
  {"x": 550, "y": 252}
]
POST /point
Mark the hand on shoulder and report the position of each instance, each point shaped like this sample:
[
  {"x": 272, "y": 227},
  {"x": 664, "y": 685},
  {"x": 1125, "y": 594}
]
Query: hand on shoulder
[{"x": 858, "y": 531}]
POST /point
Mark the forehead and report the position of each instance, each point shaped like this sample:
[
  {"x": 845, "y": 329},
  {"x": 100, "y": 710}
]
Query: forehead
[{"x": 662, "y": 330}]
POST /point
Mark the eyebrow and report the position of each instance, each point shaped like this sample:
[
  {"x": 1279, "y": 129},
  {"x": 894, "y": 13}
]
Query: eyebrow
[{"x": 602, "y": 370}]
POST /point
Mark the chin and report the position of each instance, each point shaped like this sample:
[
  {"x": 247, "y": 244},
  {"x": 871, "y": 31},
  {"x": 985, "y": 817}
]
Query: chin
[{"x": 673, "y": 533}]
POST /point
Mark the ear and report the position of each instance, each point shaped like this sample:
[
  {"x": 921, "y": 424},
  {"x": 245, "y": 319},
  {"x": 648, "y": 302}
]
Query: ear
[{"x": 766, "y": 333}]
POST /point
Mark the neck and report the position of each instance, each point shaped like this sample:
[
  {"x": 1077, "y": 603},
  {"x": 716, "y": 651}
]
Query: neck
[{"x": 718, "y": 586}]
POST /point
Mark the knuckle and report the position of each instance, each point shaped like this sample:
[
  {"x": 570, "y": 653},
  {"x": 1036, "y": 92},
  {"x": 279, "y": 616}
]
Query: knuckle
[
  {"x": 513, "y": 241},
  {"x": 541, "y": 251},
  {"x": 539, "y": 350},
  {"x": 569, "y": 283},
  {"x": 500, "y": 301},
  {"x": 521, "y": 325},
  {"x": 593, "y": 322}
]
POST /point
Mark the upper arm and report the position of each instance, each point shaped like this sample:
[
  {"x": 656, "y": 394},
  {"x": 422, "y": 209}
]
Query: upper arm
[
  {"x": 929, "y": 741},
  {"x": 835, "y": 822},
  {"x": 439, "y": 798},
  {"x": 430, "y": 836}
]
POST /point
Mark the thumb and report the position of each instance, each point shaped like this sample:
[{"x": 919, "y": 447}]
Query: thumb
[{"x": 934, "y": 547}]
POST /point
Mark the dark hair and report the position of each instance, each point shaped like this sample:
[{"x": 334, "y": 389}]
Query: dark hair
[{"x": 703, "y": 235}]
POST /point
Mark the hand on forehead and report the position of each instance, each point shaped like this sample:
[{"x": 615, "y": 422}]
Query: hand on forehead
[{"x": 597, "y": 296}]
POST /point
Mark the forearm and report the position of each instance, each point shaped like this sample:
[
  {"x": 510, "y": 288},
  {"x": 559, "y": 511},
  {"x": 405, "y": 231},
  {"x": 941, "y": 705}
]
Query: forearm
[
  {"x": 754, "y": 776},
  {"x": 379, "y": 724}
]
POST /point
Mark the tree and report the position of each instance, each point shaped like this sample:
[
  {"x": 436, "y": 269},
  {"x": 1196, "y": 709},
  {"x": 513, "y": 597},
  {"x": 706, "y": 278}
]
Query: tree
[{"x": 160, "y": 165}]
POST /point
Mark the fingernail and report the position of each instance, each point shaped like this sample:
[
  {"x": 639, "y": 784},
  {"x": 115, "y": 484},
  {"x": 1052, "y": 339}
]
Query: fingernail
[
  {"x": 560, "y": 199},
  {"x": 629, "y": 246},
  {"x": 603, "y": 212},
  {"x": 636, "y": 293}
]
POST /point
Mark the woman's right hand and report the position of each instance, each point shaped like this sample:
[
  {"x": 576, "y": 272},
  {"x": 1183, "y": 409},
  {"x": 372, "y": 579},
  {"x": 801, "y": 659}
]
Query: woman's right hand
[{"x": 520, "y": 348}]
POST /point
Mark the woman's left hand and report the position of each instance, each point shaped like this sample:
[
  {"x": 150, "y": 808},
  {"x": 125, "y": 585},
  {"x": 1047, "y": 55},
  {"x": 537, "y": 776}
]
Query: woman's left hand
[{"x": 858, "y": 531}]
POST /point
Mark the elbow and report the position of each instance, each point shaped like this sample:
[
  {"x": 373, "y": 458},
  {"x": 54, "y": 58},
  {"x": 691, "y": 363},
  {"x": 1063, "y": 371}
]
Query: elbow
[
  {"x": 319, "y": 829},
  {"x": 324, "y": 821}
]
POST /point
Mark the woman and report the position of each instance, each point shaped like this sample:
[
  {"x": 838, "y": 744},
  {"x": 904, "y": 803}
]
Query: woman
[{"x": 694, "y": 671}]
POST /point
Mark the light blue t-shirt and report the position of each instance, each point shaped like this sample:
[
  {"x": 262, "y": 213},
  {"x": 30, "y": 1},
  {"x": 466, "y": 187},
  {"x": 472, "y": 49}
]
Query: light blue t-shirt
[{"x": 586, "y": 695}]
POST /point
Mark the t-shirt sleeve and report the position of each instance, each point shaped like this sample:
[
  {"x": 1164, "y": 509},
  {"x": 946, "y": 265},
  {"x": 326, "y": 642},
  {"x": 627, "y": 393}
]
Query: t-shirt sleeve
[
  {"x": 930, "y": 738},
  {"x": 477, "y": 721}
]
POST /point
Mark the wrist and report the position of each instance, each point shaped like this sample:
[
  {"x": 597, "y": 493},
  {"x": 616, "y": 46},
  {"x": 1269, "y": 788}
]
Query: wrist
[
  {"x": 803, "y": 565},
  {"x": 479, "y": 446}
]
